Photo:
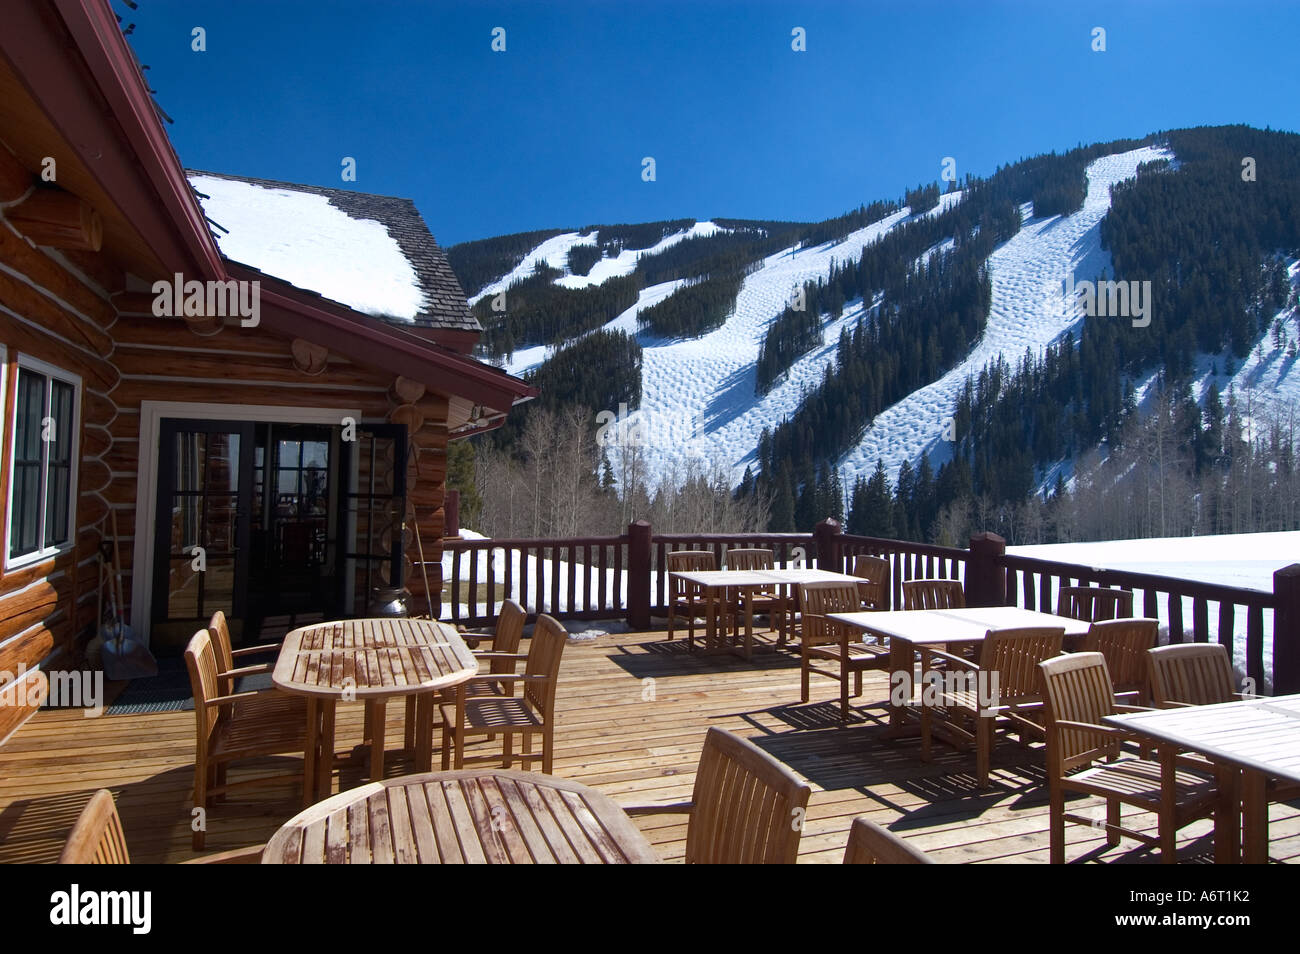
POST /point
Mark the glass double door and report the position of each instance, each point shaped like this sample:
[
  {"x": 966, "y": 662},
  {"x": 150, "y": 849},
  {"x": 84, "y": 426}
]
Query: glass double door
[{"x": 250, "y": 515}]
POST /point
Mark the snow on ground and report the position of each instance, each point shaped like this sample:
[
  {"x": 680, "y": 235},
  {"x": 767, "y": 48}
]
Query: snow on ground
[
  {"x": 303, "y": 239},
  {"x": 1245, "y": 560},
  {"x": 698, "y": 399},
  {"x": 1028, "y": 311},
  {"x": 1240, "y": 560},
  {"x": 554, "y": 252}
]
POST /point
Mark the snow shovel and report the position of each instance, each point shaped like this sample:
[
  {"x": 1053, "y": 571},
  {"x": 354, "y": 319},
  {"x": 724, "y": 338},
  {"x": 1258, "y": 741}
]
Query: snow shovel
[{"x": 125, "y": 657}]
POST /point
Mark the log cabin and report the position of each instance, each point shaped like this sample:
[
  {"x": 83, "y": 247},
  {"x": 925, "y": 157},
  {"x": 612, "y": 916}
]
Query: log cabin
[{"x": 288, "y": 457}]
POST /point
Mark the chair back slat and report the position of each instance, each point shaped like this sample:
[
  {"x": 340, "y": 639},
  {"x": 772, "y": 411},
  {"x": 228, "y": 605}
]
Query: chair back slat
[
  {"x": 1195, "y": 674},
  {"x": 1076, "y": 688},
  {"x": 875, "y": 573},
  {"x": 1124, "y": 643},
  {"x": 547, "y": 646},
  {"x": 510, "y": 627},
  {"x": 219, "y": 630},
  {"x": 201, "y": 661},
  {"x": 869, "y": 844},
  {"x": 750, "y": 559},
  {"x": 97, "y": 837},
  {"x": 820, "y": 599},
  {"x": 687, "y": 561},
  {"x": 748, "y": 806},
  {"x": 933, "y": 594},
  {"x": 1094, "y": 603},
  {"x": 1014, "y": 654}
]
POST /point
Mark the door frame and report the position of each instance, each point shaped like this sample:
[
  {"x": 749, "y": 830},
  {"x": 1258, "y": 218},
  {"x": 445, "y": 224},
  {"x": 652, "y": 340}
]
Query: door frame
[{"x": 151, "y": 414}]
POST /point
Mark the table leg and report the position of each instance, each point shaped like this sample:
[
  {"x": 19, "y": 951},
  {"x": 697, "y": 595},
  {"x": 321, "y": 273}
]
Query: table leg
[
  {"x": 1254, "y": 812},
  {"x": 749, "y": 623},
  {"x": 711, "y": 621},
  {"x": 376, "y": 709},
  {"x": 325, "y": 758},
  {"x": 900, "y": 661},
  {"x": 1227, "y": 816},
  {"x": 424, "y": 704},
  {"x": 312, "y": 753}
]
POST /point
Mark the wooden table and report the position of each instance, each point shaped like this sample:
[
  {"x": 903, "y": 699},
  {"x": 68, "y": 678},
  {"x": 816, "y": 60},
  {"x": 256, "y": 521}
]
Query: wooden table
[
  {"x": 368, "y": 660},
  {"x": 717, "y": 583},
  {"x": 911, "y": 630},
  {"x": 1257, "y": 739},
  {"x": 489, "y": 816}
]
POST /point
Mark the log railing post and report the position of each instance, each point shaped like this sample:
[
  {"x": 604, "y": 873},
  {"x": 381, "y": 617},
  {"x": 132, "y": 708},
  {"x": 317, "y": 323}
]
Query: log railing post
[
  {"x": 639, "y": 555},
  {"x": 826, "y": 538},
  {"x": 986, "y": 577},
  {"x": 451, "y": 514},
  {"x": 1286, "y": 630}
]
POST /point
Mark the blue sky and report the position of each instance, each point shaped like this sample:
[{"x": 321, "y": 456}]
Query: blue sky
[{"x": 552, "y": 132}]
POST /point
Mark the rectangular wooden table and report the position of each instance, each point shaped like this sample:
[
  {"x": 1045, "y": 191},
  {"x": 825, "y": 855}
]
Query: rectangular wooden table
[
  {"x": 490, "y": 816},
  {"x": 370, "y": 661},
  {"x": 911, "y": 630},
  {"x": 717, "y": 583},
  {"x": 1258, "y": 739}
]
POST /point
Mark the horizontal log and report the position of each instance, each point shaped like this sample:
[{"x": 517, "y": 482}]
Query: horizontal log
[
  {"x": 50, "y": 275},
  {"x": 28, "y": 649},
  {"x": 95, "y": 371},
  {"x": 131, "y": 391},
  {"x": 124, "y": 457},
  {"x": 94, "y": 266},
  {"x": 16, "y": 179},
  {"x": 97, "y": 409},
  {"x": 93, "y": 475},
  {"x": 42, "y": 595},
  {"x": 91, "y": 510},
  {"x": 58, "y": 219},
  {"x": 120, "y": 490},
  {"x": 25, "y": 576},
  {"x": 95, "y": 441},
  {"x": 151, "y": 333}
]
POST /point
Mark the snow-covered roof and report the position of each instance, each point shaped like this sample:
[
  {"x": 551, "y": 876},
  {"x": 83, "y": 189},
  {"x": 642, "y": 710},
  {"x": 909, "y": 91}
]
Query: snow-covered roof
[{"x": 372, "y": 253}]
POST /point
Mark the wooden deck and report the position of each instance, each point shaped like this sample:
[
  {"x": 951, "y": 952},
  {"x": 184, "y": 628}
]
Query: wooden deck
[{"x": 633, "y": 710}]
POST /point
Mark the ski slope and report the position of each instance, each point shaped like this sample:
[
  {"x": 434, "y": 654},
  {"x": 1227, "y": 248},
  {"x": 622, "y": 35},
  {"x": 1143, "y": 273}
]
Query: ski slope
[
  {"x": 554, "y": 252},
  {"x": 1028, "y": 310},
  {"x": 697, "y": 395}
]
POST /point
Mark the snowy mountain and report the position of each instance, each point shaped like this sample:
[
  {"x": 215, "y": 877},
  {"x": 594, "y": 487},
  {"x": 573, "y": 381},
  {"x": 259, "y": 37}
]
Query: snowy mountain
[{"x": 699, "y": 399}]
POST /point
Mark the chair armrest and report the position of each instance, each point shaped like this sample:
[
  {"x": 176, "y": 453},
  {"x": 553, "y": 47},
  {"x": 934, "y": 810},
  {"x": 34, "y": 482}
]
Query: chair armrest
[
  {"x": 1175, "y": 705},
  {"x": 489, "y": 655},
  {"x": 255, "y": 650},
  {"x": 1127, "y": 708},
  {"x": 235, "y": 697},
  {"x": 949, "y": 657},
  {"x": 247, "y": 671},
  {"x": 236, "y": 856},
  {"x": 672, "y": 808},
  {"x": 1091, "y": 727}
]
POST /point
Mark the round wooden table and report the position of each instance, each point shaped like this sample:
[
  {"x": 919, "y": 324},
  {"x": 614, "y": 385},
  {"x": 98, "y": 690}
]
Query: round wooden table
[
  {"x": 491, "y": 816},
  {"x": 370, "y": 661}
]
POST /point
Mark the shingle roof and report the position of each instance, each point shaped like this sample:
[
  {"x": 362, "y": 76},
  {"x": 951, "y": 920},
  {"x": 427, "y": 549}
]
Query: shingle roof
[{"x": 444, "y": 300}]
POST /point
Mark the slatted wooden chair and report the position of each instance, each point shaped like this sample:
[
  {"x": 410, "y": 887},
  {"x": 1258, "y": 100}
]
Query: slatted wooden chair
[
  {"x": 1124, "y": 643},
  {"x": 773, "y": 603},
  {"x": 1094, "y": 603},
  {"x": 686, "y": 600},
  {"x": 1200, "y": 674},
  {"x": 20, "y": 699},
  {"x": 1003, "y": 685},
  {"x": 869, "y": 844},
  {"x": 933, "y": 594},
  {"x": 528, "y": 714},
  {"x": 227, "y": 730},
  {"x": 268, "y": 703},
  {"x": 826, "y": 639},
  {"x": 1078, "y": 695},
  {"x": 1190, "y": 674},
  {"x": 97, "y": 839},
  {"x": 874, "y": 588},
  {"x": 746, "y": 807}
]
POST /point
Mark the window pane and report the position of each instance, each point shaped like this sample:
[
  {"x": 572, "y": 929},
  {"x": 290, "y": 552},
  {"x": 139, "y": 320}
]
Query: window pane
[
  {"x": 58, "y": 488},
  {"x": 25, "y": 496}
]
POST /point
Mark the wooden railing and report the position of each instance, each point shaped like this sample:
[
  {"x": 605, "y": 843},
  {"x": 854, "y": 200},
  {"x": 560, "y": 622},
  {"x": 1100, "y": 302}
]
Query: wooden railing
[
  {"x": 623, "y": 577},
  {"x": 578, "y": 578}
]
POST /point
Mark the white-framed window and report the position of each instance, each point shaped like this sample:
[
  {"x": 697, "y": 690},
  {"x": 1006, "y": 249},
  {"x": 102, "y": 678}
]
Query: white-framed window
[{"x": 42, "y": 462}]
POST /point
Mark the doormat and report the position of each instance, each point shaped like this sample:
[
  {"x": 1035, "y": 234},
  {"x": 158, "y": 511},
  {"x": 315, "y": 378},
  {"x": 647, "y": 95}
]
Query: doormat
[{"x": 169, "y": 691}]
